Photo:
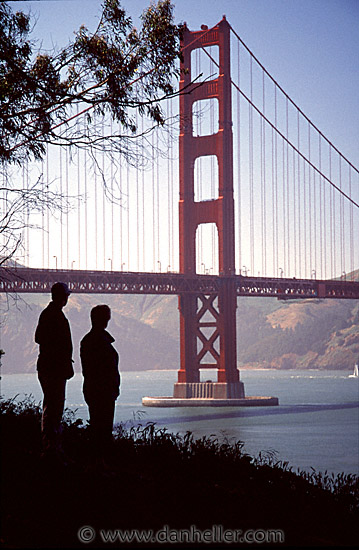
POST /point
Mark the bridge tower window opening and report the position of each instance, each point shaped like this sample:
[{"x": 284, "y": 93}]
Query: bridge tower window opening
[
  {"x": 205, "y": 175},
  {"x": 205, "y": 63},
  {"x": 207, "y": 249},
  {"x": 205, "y": 115}
]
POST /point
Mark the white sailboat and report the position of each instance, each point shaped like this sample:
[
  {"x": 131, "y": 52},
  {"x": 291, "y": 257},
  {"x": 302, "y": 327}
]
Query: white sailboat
[{"x": 355, "y": 373}]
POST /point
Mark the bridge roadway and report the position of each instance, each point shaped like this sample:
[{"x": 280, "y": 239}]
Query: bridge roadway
[{"x": 27, "y": 280}]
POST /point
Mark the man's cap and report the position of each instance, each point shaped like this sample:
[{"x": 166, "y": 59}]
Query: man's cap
[{"x": 60, "y": 289}]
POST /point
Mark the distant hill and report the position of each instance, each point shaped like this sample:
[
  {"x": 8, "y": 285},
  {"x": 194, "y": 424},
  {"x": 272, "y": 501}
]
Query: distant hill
[
  {"x": 351, "y": 276},
  {"x": 134, "y": 318},
  {"x": 271, "y": 333},
  {"x": 302, "y": 334}
]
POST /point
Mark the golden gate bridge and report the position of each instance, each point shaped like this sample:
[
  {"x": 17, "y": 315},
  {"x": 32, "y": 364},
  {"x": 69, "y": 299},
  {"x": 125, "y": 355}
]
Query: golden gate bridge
[{"x": 268, "y": 206}]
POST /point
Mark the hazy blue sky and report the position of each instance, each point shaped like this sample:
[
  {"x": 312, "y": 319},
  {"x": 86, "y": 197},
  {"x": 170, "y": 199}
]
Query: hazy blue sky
[{"x": 310, "y": 46}]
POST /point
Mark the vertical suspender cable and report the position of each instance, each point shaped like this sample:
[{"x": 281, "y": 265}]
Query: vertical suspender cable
[
  {"x": 104, "y": 195},
  {"x": 25, "y": 185},
  {"x": 331, "y": 243},
  {"x": 324, "y": 222},
  {"x": 96, "y": 220},
  {"x": 169, "y": 197},
  {"x": 264, "y": 243},
  {"x": 61, "y": 212},
  {"x": 262, "y": 179},
  {"x": 288, "y": 195},
  {"x": 342, "y": 246},
  {"x": 199, "y": 171},
  {"x": 273, "y": 209},
  {"x": 284, "y": 208},
  {"x": 170, "y": 190},
  {"x": 251, "y": 179},
  {"x": 86, "y": 201},
  {"x": 173, "y": 247},
  {"x": 334, "y": 262},
  {"x": 67, "y": 214},
  {"x": 305, "y": 228},
  {"x": 27, "y": 225},
  {"x": 112, "y": 251},
  {"x": 86, "y": 212},
  {"x": 321, "y": 212},
  {"x": 158, "y": 204},
  {"x": 315, "y": 221},
  {"x": 239, "y": 160},
  {"x": 213, "y": 263},
  {"x": 299, "y": 200},
  {"x": 351, "y": 222},
  {"x": 121, "y": 210},
  {"x": 5, "y": 194},
  {"x": 153, "y": 204},
  {"x": 310, "y": 205},
  {"x": 128, "y": 215},
  {"x": 79, "y": 198},
  {"x": 294, "y": 214},
  {"x": 173, "y": 257},
  {"x": 48, "y": 210},
  {"x": 143, "y": 205},
  {"x": 137, "y": 199},
  {"x": 276, "y": 180}
]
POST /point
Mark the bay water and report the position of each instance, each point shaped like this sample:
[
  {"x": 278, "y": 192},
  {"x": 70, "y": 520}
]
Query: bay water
[{"x": 316, "y": 424}]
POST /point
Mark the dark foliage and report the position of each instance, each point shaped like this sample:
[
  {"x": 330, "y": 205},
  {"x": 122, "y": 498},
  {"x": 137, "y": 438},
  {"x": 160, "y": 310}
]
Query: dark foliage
[
  {"x": 114, "y": 72},
  {"x": 154, "y": 478},
  {"x": 86, "y": 95}
]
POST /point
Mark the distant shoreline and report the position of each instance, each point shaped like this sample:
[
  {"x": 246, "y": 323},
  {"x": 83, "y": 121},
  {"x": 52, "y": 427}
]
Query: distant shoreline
[{"x": 243, "y": 368}]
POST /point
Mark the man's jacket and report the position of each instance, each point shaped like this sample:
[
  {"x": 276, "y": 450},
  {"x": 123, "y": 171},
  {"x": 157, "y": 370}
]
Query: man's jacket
[
  {"x": 99, "y": 366},
  {"x": 54, "y": 337}
]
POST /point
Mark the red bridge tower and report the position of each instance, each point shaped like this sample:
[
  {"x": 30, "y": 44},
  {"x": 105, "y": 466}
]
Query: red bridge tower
[{"x": 207, "y": 322}]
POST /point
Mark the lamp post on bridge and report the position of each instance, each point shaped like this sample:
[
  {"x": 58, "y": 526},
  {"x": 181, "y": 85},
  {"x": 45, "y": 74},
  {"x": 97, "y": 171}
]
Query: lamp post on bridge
[
  {"x": 55, "y": 262},
  {"x": 110, "y": 260}
]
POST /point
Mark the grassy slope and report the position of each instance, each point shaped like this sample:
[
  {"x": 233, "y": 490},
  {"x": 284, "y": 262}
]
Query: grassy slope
[{"x": 158, "y": 479}]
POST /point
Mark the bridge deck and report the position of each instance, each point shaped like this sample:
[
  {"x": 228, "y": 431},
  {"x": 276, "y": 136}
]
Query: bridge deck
[{"x": 26, "y": 280}]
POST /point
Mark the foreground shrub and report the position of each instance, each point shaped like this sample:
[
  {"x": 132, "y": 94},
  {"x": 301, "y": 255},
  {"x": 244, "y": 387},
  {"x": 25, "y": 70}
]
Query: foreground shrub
[{"x": 153, "y": 478}]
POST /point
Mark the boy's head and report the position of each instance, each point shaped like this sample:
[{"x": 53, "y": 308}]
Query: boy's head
[{"x": 100, "y": 316}]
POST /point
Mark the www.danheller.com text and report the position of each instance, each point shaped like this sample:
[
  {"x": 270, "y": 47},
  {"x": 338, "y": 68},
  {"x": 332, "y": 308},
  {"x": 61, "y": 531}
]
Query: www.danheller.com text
[{"x": 215, "y": 534}]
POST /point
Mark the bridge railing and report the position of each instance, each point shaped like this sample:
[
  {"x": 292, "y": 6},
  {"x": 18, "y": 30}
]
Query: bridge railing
[{"x": 23, "y": 280}]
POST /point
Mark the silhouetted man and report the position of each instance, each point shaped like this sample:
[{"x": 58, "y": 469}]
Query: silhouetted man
[
  {"x": 54, "y": 364},
  {"x": 101, "y": 378}
]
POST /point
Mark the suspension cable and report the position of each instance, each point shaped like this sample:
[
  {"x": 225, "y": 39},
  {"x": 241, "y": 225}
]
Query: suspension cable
[
  {"x": 292, "y": 102},
  {"x": 290, "y": 143}
]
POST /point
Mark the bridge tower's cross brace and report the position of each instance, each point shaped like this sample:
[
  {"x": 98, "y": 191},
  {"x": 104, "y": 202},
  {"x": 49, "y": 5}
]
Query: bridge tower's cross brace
[{"x": 207, "y": 323}]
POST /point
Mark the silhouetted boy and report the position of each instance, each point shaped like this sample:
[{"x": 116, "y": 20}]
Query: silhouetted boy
[
  {"x": 101, "y": 378},
  {"x": 54, "y": 364}
]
